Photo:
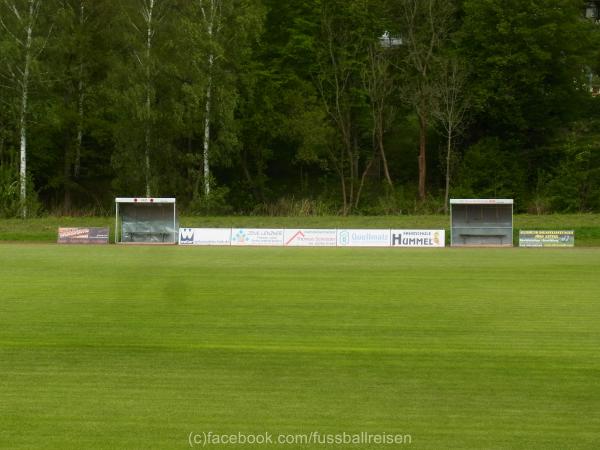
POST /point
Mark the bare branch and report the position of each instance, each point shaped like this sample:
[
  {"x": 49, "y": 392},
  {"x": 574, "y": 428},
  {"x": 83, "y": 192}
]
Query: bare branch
[
  {"x": 13, "y": 7},
  {"x": 45, "y": 43},
  {"x": 19, "y": 41}
]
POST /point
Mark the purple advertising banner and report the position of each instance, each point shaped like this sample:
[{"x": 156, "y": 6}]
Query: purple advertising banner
[{"x": 83, "y": 235}]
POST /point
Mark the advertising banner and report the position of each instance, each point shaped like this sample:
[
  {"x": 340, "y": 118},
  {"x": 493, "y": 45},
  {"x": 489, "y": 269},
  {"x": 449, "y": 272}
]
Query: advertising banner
[
  {"x": 205, "y": 236},
  {"x": 363, "y": 238},
  {"x": 268, "y": 237},
  {"x": 307, "y": 237},
  {"x": 419, "y": 238},
  {"x": 545, "y": 238},
  {"x": 83, "y": 235}
]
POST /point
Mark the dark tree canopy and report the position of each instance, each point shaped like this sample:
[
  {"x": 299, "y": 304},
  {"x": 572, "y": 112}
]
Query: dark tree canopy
[{"x": 297, "y": 107}]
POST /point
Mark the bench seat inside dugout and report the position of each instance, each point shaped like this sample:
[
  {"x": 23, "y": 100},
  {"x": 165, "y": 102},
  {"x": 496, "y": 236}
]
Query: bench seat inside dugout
[{"x": 481, "y": 222}]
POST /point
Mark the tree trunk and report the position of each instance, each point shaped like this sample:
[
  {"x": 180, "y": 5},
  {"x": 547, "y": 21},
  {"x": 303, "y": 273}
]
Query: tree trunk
[
  {"x": 257, "y": 189},
  {"x": 148, "y": 96},
  {"x": 23, "y": 113},
  {"x": 206, "y": 152},
  {"x": 67, "y": 174},
  {"x": 212, "y": 27},
  {"x": 344, "y": 196},
  {"x": 448, "y": 153},
  {"x": 68, "y": 162},
  {"x": 362, "y": 180},
  {"x": 79, "y": 138},
  {"x": 23, "y": 150},
  {"x": 422, "y": 157},
  {"x": 80, "y": 101},
  {"x": 386, "y": 170},
  {"x": 341, "y": 172},
  {"x": 352, "y": 178}
]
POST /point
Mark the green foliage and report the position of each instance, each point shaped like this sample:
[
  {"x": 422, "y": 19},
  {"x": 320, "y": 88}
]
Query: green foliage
[
  {"x": 291, "y": 116},
  {"x": 10, "y": 202},
  {"x": 9, "y": 192},
  {"x": 574, "y": 185},
  {"x": 527, "y": 62},
  {"x": 214, "y": 204},
  {"x": 489, "y": 169},
  {"x": 292, "y": 207}
]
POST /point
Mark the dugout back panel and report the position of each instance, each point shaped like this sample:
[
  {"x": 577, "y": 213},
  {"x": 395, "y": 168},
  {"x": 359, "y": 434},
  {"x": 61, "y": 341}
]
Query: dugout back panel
[{"x": 481, "y": 222}]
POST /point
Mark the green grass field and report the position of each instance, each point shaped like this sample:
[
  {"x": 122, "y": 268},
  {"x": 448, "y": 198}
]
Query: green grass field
[{"x": 137, "y": 347}]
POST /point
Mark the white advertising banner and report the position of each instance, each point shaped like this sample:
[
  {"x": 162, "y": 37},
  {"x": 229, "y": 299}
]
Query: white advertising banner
[
  {"x": 419, "y": 238},
  {"x": 268, "y": 237},
  {"x": 205, "y": 236},
  {"x": 308, "y": 237},
  {"x": 363, "y": 238}
]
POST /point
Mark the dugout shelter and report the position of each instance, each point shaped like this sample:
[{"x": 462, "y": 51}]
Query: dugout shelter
[
  {"x": 481, "y": 222},
  {"x": 146, "y": 220}
]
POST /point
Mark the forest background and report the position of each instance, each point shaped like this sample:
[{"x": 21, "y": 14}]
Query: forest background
[{"x": 304, "y": 107}]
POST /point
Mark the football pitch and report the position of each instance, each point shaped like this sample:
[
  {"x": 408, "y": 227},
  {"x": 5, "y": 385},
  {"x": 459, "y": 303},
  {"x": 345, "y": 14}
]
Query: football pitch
[{"x": 155, "y": 347}]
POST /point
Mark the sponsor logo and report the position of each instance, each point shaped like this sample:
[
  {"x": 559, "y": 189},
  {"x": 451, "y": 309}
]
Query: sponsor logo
[
  {"x": 363, "y": 238},
  {"x": 83, "y": 235},
  {"x": 418, "y": 238},
  {"x": 205, "y": 236},
  {"x": 344, "y": 238},
  {"x": 186, "y": 236},
  {"x": 299, "y": 234},
  {"x": 547, "y": 238},
  {"x": 240, "y": 237},
  {"x": 257, "y": 237},
  {"x": 310, "y": 237}
]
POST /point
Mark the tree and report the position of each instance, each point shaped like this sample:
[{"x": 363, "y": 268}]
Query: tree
[
  {"x": 73, "y": 57},
  {"x": 450, "y": 108},
  {"x": 211, "y": 17},
  {"x": 21, "y": 25},
  {"x": 348, "y": 28},
  {"x": 425, "y": 26},
  {"x": 140, "y": 86},
  {"x": 379, "y": 86},
  {"x": 527, "y": 62},
  {"x": 150, "y": 15},
  {"x": 219, "y": 35}
]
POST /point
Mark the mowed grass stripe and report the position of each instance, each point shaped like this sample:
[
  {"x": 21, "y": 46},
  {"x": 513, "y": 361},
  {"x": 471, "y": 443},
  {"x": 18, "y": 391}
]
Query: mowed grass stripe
[{"x": 135, "y": 347}]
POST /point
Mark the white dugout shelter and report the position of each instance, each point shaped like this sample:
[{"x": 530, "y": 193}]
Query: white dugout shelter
[
  {"x": 146, "y": 220},
  {"x": 481, "y": 222}
]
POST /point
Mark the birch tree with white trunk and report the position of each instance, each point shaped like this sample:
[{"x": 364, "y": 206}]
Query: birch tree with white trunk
[
  {"x": 151, "y": 14},
  {"x": 219, "y": 37},
  {"x": 147, "y": 12},
  {"x": 212, "y": 13},
  {"x": 24, "y": 18}
]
